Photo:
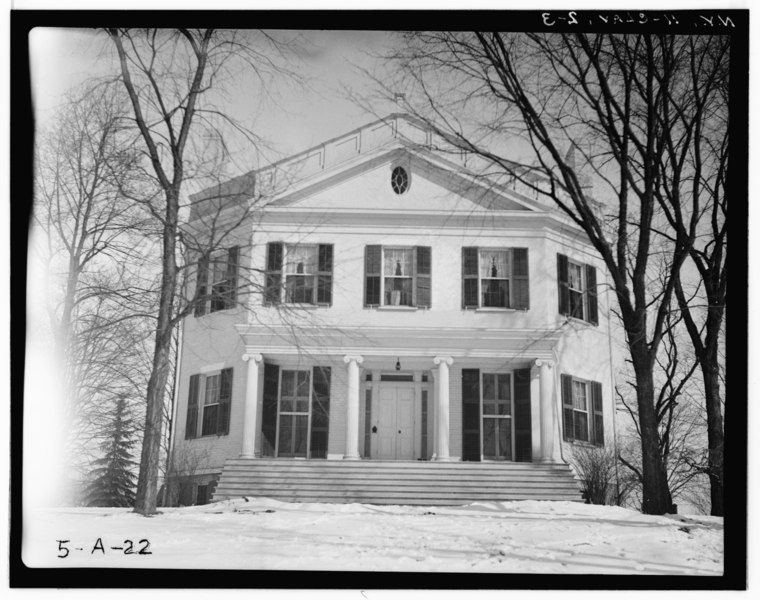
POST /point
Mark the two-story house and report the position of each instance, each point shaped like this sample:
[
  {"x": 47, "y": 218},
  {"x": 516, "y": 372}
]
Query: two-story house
[{"x": 384, "y": 325}]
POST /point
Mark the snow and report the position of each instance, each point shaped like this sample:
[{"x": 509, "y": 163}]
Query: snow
[{"x": 260, "y": 533}]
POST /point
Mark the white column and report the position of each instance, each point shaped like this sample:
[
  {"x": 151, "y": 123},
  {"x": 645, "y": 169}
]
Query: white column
[
  {"x": 250, "y": 406},
  {"x": 352, "y": 407},
  {"x": 433, "y": 407},
  {"x": 546, "y": 383},
  {"x": 442, "y": 413}
]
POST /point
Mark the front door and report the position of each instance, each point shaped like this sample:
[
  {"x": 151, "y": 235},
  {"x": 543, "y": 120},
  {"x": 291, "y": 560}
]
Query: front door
[{"x": 395, "y": 423}]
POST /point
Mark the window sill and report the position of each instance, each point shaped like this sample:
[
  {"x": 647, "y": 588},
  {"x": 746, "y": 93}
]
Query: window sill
[
  {"x": 582, "y": 444},
  {"x": 572, "y": 319},
  {"x": 398, "y": 308},
  {"x": 303, "y": 305},
  {"x": 495, "y": 309}
]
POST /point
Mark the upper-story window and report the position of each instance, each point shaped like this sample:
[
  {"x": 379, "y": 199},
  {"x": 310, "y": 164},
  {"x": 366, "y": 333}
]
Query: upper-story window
[
  {"x": 299, "y": 274},
  {"x": 216, "y": 287},
  {"x": 397, "y": 276},
  {"x": 495, "y": 278},
  {"x": 577, "y": 290}
]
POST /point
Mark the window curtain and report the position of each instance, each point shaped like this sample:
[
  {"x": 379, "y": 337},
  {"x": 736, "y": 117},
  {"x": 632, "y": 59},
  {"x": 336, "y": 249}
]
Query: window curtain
[
  {"x": 493, "y": 263},
  {"x": 301, "y": 260},
  {"x": 398, "y": 263}
]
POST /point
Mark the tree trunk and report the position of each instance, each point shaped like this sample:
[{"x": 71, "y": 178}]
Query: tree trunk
[
  {"x": 711, "y": 376},
  {"x": 147, "y": 481},
  {"x": 656, "y": 499}
]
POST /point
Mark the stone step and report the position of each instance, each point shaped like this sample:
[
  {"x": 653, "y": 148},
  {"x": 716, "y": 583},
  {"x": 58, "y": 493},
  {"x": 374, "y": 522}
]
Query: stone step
[{"x": 391, "y": 482}]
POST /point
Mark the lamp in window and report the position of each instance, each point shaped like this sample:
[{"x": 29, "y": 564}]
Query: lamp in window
[{"x": 398, "y": 364}]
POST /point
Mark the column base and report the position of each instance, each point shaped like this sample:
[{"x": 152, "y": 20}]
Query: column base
[
  {"x": 444, "y": 459},
  {"x": 356, "y": 457}
]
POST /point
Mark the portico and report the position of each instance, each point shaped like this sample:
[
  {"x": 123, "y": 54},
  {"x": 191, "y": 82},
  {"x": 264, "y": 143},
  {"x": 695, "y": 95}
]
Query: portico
[{"x": 397, "y": 404}]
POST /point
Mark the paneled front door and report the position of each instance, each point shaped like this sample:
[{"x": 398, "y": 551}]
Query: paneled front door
[{"x": 395, "y": 423}]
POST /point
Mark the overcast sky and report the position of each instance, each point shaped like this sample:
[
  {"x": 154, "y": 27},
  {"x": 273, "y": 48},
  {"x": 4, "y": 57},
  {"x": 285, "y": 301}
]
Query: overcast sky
[{"x": 297, "y": 119}]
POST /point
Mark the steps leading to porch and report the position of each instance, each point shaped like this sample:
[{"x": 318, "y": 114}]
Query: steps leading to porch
[{"x": 394, "y": 482}]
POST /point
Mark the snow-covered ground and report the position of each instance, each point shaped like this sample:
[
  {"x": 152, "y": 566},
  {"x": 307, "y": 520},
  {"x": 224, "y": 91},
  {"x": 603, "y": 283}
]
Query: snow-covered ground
[{"x": 505, "y": 537}]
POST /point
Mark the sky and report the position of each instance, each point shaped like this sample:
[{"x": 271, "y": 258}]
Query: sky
[{"x": 296, "y": 118}]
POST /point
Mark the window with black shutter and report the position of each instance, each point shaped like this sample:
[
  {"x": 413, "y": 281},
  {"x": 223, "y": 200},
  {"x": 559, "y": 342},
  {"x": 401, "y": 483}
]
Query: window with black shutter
[
  {"x": 209, "y": 402},
  {"x": 577, "y": 290},
  {"x": 582, "y": 410},
  {"x": 217, "y": 281},
  {"x": 495, "y": 278},
  {"x": 397, "y": 276},
  {"x": 299, "y": 274}
]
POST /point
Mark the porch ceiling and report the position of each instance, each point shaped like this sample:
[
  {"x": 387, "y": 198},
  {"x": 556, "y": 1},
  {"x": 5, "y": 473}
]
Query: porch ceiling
[{"x": 401, "y": 341}]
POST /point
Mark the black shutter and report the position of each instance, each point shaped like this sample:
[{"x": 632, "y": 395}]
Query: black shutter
[
  {"x": 191, "y": 423},
  {"x": 422, "y": 276},
  {"x": 233, "y": 255},
  {"x": 470, "y": 278},
  {"x": 200, "y": 286},
  {"x": 591, "y": 301},
  {"x": 523, "y": 441},
  {"x": 568, "y": 426},
  {"x": 471, "y": 414},
  {"x": 325, "y": 276},
  {"x": 273, "y": 283},
  {"x": 564, "y": 285},
  {"x": 598, "y": 413},
  {"x": 520, "y": 284},
  {"x": 269, "y": 414},
  {"x": 225, "y": 402},
  {"x": 320, "y": 411},
  {"x": 372, "y": 272}
]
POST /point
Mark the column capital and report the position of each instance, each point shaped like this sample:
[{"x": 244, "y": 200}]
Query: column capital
[
  {"x": 443, "y": 359},
  {"x": 353, "y": 358},
  {"x": 542, "y": 362},
  {"x": 252, "y": 356}
]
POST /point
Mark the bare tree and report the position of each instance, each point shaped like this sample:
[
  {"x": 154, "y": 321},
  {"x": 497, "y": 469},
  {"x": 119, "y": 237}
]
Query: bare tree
[
  {"x": 89, "y": 240},
  {"x": 622, "y": 114},
  {"x": 171, "y": 77}
]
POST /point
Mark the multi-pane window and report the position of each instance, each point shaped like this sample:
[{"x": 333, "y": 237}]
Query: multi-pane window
[
  {"x": 299, "y": 273},
  {"x": 293, "y": 428},
  {"x": 497, "y": 416},
  {"x": 580, "y": 410},
  {"x": 217, "y": 281},
  {"x": 211, "y": 406},
  {"x": 495, "y": 278},
  {"x": 208, "y": 406},
  {"x": 583, "y": 416},
  {"x": 577, "y": 290},
  {"x": 397, "y": 276}
]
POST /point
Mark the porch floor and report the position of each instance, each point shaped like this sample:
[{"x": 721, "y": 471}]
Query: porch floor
[{"x": 394, "y": 482}]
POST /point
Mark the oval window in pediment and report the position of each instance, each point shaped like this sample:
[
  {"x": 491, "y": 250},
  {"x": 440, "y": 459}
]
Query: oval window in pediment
[{"x": 399, "y": 180}]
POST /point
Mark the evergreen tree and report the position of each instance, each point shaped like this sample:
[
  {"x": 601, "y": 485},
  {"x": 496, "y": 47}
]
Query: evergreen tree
[{"x": 113, "y": 479}]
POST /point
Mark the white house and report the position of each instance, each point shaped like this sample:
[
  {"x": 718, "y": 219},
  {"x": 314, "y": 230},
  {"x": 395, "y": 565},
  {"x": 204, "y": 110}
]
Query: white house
[{"x": 383, "y": 325}]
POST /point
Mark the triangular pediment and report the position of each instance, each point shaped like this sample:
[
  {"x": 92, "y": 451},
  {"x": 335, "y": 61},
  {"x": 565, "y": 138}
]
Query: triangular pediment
[
  {"x": 353, "y": 172},
  {"x": 432, "y": 185}
]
